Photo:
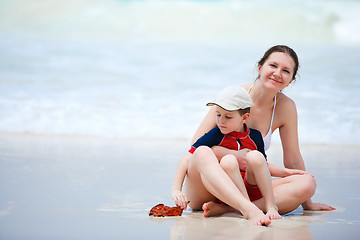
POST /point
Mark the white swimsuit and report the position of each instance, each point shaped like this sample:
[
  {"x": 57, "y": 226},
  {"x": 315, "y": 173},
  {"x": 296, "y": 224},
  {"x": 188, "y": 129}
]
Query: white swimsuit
[{"x": 267, "y": 138}]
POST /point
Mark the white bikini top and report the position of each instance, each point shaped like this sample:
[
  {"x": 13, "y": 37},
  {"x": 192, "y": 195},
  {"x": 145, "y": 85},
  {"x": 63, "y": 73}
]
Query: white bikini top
[{"x": 267, "y": 138}]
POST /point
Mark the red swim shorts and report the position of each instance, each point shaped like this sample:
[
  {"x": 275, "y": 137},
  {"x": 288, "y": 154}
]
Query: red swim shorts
[{"x": 252, "y": 190}]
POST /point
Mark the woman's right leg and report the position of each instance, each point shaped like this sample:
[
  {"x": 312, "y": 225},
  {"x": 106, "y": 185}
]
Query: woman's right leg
[{"x": 207, "y": 181}]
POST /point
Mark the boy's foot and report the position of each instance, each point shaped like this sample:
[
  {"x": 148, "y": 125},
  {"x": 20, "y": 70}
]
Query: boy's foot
[
  {"x": 258, "y": 218},
  {"x": 273, "y": 213}
]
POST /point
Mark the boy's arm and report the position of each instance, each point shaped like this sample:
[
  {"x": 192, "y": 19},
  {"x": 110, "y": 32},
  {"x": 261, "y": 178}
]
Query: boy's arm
[
  {"x": 177, "y": 195},
  {"x": 240, "y": 155}
]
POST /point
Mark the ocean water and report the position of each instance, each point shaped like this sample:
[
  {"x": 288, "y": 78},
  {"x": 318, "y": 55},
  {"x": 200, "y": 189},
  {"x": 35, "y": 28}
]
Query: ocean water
[{"x": 146, "y": 69}]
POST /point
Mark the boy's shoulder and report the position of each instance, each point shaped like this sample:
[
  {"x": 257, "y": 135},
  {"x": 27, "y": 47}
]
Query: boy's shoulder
[
  {"x": 214, "y": 133},
  {"x": 256, "y": 136},
  {"x": 211, "y": 136},
  {"x": 215, "y": 130},
  {"x": 254, "y": 131},
  {"x": 210, "y": 139}
]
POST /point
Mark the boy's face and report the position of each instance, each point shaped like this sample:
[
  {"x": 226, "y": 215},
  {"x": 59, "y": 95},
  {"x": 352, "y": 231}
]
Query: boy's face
[{"x": 229, "y": 122}]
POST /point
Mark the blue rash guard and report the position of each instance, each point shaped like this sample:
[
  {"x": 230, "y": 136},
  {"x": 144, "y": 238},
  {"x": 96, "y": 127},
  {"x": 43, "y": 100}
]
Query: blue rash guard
[{"x": 250, "y": 139}]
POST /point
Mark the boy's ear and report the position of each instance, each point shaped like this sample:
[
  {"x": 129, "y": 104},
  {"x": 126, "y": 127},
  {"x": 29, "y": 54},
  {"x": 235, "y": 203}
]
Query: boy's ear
[{"x": 245, "y": 117}]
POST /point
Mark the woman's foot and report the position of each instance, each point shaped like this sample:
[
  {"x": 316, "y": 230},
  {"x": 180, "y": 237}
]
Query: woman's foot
[{"x": 212, "y": 209}]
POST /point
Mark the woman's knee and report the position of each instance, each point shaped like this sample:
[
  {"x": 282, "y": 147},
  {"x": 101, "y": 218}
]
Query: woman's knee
[
  {"x": 310, "y": 185},
  {"x": 229, "y": 163},
  {"x": 307, "y": 186}
]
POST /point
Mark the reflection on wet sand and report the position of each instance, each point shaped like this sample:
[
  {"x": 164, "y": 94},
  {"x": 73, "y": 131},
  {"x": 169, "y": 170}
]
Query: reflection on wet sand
[{"x": 192, "y": 225}]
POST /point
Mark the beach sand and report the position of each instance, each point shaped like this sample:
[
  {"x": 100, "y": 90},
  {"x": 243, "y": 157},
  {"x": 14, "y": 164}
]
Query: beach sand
[{"x": 92, "y": 188}]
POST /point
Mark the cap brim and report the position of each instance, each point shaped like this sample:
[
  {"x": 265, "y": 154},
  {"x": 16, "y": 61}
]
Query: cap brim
[{"x": 210, "y": 104}]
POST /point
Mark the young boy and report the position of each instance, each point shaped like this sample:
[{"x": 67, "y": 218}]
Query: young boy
[{"x": 232, "y": 111}]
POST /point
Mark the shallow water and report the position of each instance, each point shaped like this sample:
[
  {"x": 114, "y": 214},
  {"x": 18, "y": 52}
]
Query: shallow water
[{"x": 130, "y": 69}]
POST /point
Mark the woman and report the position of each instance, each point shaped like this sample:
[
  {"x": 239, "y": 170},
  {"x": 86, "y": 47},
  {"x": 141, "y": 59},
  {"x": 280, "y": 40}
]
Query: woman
[{"x": 207, "y": 181}]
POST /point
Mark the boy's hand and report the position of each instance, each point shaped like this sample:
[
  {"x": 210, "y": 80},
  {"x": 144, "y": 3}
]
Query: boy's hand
[
  {"x": 179, "y": 199},
  {"x": 241, "y": 157}
]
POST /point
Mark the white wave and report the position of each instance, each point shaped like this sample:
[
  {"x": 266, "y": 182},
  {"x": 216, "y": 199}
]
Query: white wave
[
  {"x": 57, "y": 78},
  {"x": 188, "y": 21}
]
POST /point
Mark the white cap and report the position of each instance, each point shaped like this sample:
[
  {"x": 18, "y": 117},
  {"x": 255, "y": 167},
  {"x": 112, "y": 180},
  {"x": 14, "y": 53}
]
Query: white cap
[{"x": 233, "y": 98}]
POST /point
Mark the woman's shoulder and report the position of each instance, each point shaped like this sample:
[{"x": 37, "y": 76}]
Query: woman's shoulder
[
  {"x": 285, "y": 107},
  {"x": 284, "y": 101},
  {"x": 286, "y": 117}
]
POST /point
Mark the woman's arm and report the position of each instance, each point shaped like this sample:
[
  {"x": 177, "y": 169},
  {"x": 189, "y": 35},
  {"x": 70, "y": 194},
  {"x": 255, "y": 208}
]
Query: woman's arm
[
  {"x": 289, "y": 135},
  {"x": 289, "y": 138},
  {"x": 177, "y": 195},
  {"x": 277, "y": 171},
  {"x": 206, "y": 125}
]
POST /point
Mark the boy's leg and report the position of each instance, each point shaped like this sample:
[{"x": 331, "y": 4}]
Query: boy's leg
[
  {"x": 206, "y": 180},
  {"x": 230, "y": 165},
  {"x": 257, "y": 173}
]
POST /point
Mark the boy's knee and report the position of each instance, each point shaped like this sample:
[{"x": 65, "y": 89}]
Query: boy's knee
[
  {"x": 202, "y": 150},
  {"x": 255, "y": 158},
  {"x": 229, "y": 163},
  {"x": 202, "y": 154}
]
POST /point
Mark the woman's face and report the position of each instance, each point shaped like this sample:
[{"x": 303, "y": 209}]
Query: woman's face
[{"x": 277, "y": 71}]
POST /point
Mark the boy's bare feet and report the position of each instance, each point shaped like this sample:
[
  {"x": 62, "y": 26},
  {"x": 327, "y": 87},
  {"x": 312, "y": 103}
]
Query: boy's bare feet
[
  {"x": 257, "y": 217},
  {"x": 273, "y": 213}
]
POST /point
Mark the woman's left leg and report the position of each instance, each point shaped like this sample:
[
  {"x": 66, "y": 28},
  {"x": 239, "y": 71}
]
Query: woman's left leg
[{"x": 290, "y": 192}]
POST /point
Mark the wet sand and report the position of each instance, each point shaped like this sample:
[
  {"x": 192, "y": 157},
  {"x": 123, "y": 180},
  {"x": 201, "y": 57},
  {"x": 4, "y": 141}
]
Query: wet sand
[{"x": 91, "y": 188}]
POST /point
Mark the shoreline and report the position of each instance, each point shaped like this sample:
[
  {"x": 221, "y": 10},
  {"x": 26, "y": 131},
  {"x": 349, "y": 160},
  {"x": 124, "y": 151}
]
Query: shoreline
[{"x": 9, "y": 135}]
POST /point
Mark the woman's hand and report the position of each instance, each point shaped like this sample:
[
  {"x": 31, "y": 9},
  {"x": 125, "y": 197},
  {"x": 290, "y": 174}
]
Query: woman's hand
[
  {"x": 179, "y": 199},
  {"x": 296, "y": 172}
]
